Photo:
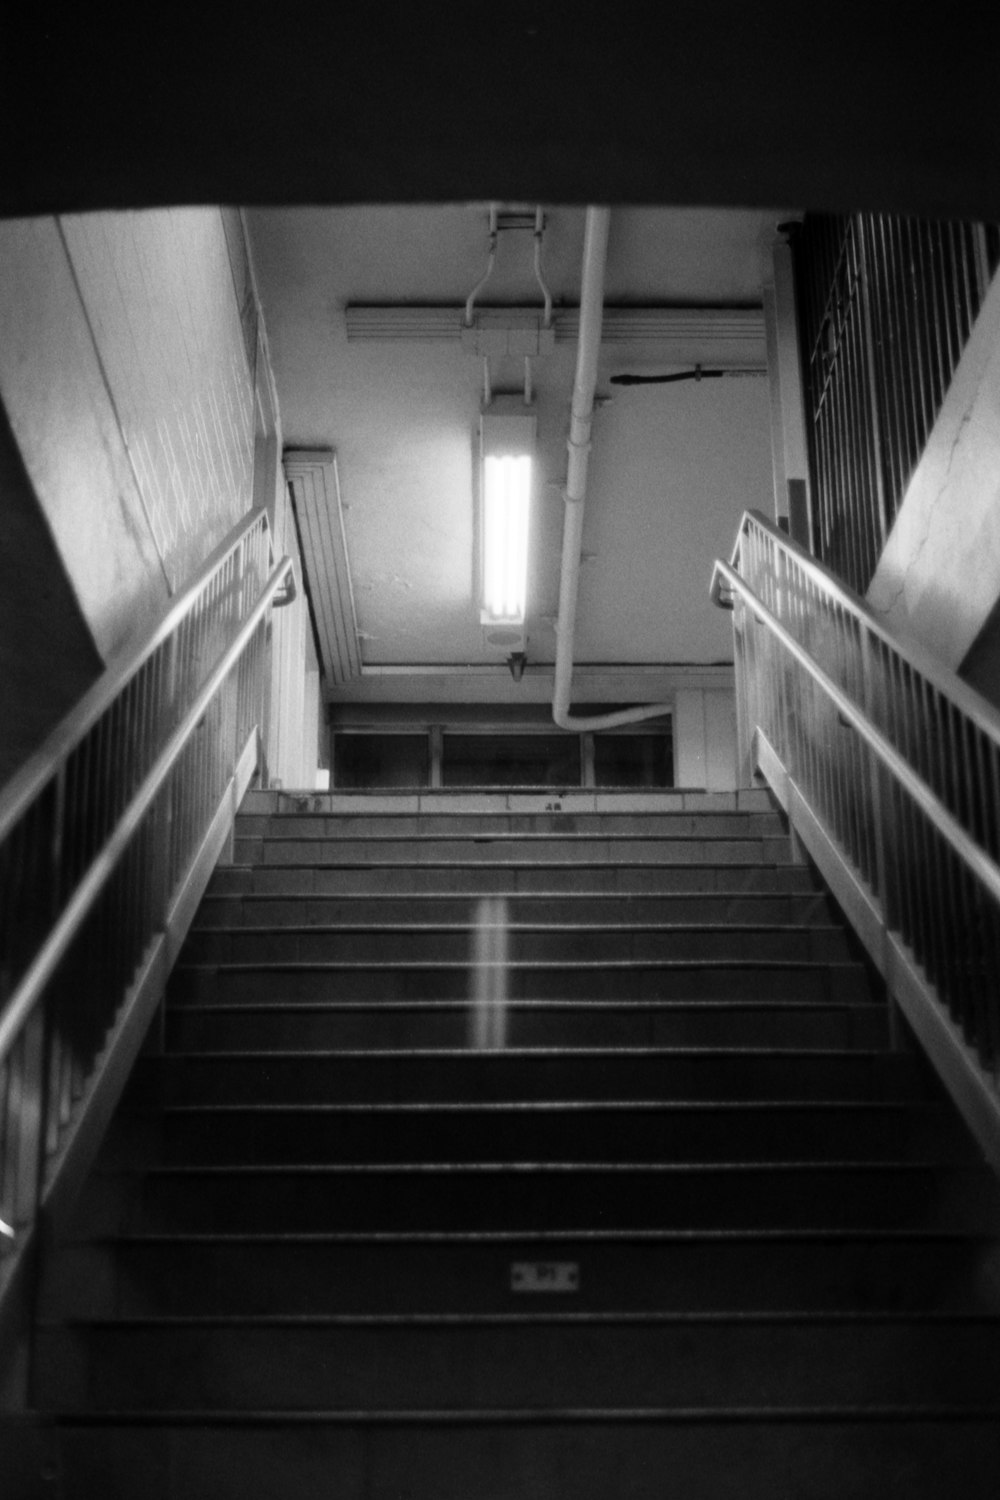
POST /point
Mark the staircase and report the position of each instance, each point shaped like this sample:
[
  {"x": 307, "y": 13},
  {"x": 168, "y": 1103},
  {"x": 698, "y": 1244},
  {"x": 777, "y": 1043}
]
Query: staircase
[{"x": 694, "y": 1230}]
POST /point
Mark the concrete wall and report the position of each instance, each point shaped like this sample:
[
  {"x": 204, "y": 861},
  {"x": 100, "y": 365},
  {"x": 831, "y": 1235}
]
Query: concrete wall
[
  {"x": 133, "y": 370},
  {"x": 40, "y": 621},
  {"x": 939, "y": 576},
  {"x": 124, "y": 372}
]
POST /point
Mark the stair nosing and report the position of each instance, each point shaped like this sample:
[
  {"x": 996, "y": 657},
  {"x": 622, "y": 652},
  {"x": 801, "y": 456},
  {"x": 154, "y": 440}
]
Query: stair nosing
[
  {"x": 475, "y": 1238},
  {"x": 528, "y": 1416},
  {"x": 514, "y": 836},
  {"x": 513, "y": 864},
  {"x": 539, "y": 1317},
  {"x": 564, "y": 1168},
  {"x": 271, "y": 966},
  {"x": 341, "y": 928},
  {"x": 568, "y": 1106},
  {"x": 892, "y": 1059},
  {"x": 586, "y": 1003}
]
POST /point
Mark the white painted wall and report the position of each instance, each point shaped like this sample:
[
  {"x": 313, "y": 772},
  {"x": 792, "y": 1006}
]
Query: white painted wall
[
  {"x": 143, "y": 407},
  {"x": 939, "y": 575},
  {"x": 705, "y": 739},
  {"x": 125, "y": 375}
]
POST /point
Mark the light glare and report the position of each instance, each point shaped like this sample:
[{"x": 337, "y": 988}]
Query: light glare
[{"x": 507, "y": 480}]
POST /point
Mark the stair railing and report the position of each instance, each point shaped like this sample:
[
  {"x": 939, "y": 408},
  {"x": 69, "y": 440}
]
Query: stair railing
[
  {"x": 889, "y": 768},
  {"x": 106, "y": 836}
]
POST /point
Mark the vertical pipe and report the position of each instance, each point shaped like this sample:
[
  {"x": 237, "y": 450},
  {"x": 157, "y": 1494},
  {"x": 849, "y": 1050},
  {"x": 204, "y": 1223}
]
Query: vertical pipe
[{"x": 595, "y": 249}]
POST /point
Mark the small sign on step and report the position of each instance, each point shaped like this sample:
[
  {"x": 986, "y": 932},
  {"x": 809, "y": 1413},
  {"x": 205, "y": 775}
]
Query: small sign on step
[{"x": 545, "y": 1276}]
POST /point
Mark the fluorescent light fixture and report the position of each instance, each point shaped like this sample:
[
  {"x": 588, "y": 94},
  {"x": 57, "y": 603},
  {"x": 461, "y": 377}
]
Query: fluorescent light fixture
[{"x": 507, "y": 443}]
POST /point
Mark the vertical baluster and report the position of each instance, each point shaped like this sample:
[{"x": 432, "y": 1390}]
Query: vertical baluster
[
  {"x": 922, "y": 730},
  {"x": 899, "y": 805},
  {"x": 984, "y": 788},
  {"x": 9, "y": 1122},
  {"x": 948, "y": 284},
  {"x": 959, "y": 936},
  {"x": 743, "y": 697},
  {"x": 808, "y": 756},
  {"x": 923, "y": 708},
  {"x": 939, "y": 360},
  {"x": 975, "y": 273}
]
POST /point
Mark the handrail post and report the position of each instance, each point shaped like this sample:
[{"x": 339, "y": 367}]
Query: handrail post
[
  {"x": 884, "y": 898},
  {"x": 163, "y": 817},
  {"x": 744, "y": 753}
]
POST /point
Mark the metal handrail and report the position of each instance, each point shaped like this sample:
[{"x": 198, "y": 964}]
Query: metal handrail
[
  {"x": 904, "y": 811},
  {"x": 30, "y": 989},
  {"x": 26, "y": 783},
  {"x": 105, "y": 835},
  {"x": 985, "y": 869},
  {"x": 985, "y": 716}
]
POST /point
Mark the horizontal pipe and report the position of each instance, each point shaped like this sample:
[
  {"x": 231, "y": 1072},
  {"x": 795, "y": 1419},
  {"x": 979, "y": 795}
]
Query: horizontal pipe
[{"x": 30, "y": 988}]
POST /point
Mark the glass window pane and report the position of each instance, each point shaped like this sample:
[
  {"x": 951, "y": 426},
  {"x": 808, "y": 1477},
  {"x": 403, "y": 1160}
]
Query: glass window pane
[
  {"x": 511, "y": 760},
  {"x": 634, "y": 760},
  {"x": 367, "y": 761}
]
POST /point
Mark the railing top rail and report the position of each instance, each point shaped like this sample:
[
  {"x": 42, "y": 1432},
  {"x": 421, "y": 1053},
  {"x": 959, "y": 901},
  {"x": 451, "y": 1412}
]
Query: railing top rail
[
  {"x": 26, "y": 784},
  {"x": 982, "y": 713},
  {"x": 975, "y": 858}
]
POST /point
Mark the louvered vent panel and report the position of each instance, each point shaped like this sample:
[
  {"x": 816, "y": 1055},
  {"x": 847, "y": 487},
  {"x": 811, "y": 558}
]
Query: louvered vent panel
[
  {"x": 730, "y": 336},
  {"x": 314, "y": 485}
]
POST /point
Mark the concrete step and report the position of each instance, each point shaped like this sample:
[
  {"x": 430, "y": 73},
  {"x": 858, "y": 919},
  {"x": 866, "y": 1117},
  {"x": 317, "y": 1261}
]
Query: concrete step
[
  {"x": 505, "y": 850},
  {"x": 422, "y": 979},
  {"x": 681, "y": 908},
  {"x": 526, "y": 942},
  {"x": 381, "y": 1023},
  {"x": 635, "y": 1130},
  {"x": 502, "y": 801},
  {"x": 534, "y": 1073},
  {"x": 526, "y": 878},
  {"x": 531, "y": 1360},
  {"x": 677, "y": 823},
  {"x": 520, "y": 1196},
  {"x": 752, "y": 1454},
  {"x": 681, "y": 1271}
]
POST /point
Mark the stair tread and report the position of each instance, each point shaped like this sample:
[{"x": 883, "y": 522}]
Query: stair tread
[
  {"x": 505, "y": 864},
  {"x": 896, "y": 1061},
  {"x": 736, "y": 1277},
  {"x": 542, "y": 1106},
  {"x": 794, "y": 1235},
  {"x": 271, "y": 966},
  {"x": 612, "y": 1168},
  {"x": 585, "y": 1003},
  {"x": 521, "y": 836},
  {"x": 341, "y": 929},
  {"x": 466, "y": 1416},
  {"x": 540, "y": 1317}
]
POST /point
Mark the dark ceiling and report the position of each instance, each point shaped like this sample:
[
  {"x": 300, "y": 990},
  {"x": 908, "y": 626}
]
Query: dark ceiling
[{"x": 883, "y": 105}]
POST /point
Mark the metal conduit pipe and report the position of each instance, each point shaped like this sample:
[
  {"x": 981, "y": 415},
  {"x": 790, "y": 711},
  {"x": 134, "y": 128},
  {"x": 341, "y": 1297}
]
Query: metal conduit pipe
[{"x": 595, "y": 250}]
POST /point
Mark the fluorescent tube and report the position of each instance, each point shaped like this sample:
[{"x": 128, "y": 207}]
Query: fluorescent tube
[{"x": 507, "y": 492}]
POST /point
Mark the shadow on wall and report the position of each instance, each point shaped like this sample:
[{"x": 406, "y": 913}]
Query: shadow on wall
[{"x": 47, "y": 655}]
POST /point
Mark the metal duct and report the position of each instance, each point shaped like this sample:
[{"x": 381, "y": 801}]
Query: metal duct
[{"x": 315, "y": 490}]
